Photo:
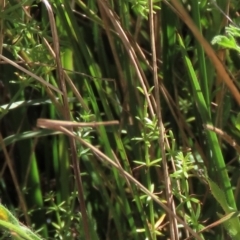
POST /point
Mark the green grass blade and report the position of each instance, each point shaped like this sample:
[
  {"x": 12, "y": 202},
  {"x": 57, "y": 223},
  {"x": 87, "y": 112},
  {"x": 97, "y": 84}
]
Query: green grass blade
[{"x": 217, "y": 160}]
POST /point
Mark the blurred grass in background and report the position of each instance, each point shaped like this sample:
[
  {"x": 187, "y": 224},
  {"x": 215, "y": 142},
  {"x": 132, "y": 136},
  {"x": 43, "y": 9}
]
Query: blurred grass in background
[{"x": 146, "y": 64}]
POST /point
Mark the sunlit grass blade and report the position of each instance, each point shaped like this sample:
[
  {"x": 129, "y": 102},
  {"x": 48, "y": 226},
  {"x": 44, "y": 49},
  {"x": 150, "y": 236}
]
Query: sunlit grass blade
[{"x": 217, "y": 161}]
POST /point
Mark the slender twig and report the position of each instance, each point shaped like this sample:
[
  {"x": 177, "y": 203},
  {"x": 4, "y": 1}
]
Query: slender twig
[
  {"x": 15, "y": 180},
  {"x": 47, "y": 123},
  {"x": 2, "y": 6},
  {"x": 41, "y": 80},
  {"x": 224, "y": 136},
  {"x": 102, "y": 157},
  {"x": 67, "y": 78},
  {"x": 67, "y": 116},
  {"x": 132, "y": 55},
  {"x": 223, "y": 13},
  {"x": 182, "y": 13},
  {"x": 173, "y": 225}
]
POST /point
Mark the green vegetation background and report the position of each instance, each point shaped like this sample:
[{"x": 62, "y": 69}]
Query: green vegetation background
[{"x": 154, "y": 88}]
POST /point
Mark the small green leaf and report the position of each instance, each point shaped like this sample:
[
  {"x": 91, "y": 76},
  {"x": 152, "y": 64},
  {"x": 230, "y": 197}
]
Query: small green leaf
[
  {"x": 237, "y": 123},
  {"x": 231, "y": 225},
  {"x": 219, "y": 195}
]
